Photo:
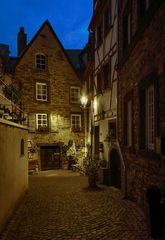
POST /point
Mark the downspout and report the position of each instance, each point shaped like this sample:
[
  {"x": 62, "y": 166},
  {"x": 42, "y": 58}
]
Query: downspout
[
  {"x": 120, "y": 149},
  {"x": 121, "y": 153}
]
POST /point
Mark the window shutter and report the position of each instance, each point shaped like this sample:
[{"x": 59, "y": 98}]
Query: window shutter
[
  {"x": 32, "y": 122},
  {"x": 53, "y": 122}
]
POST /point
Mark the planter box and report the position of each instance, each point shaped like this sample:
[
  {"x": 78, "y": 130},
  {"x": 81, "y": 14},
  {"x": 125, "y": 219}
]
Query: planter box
[{"x": 65, "y": 164}]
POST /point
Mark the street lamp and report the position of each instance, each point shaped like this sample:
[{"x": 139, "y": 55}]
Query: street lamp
[{"x": 84, "y": 101}]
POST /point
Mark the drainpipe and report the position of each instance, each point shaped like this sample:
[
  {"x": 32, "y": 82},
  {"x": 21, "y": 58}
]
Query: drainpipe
[
  {"x": 120, "y": 149},
  {"x": 121, "y": 153}
]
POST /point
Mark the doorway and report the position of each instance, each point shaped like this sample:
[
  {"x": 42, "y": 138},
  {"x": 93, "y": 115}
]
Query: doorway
[
  {"x": 115, "y": 169},
  {"x": 50, "y": 157}
]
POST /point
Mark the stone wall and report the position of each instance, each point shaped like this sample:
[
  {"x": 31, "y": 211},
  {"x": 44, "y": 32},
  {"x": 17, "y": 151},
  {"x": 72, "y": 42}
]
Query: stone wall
[
  {"x": 60, "y": 76},
  {"x": 144, "y": 55},
  {"x": 14, "y": 168}
]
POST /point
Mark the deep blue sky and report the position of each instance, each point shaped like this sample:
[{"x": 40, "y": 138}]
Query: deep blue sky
[{"x": 69, "y": 19}]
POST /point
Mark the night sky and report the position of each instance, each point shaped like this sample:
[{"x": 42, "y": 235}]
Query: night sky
[{"x": 69, "y": 19}]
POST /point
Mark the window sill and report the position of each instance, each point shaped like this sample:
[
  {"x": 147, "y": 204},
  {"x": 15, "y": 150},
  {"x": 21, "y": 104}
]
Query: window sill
[
  {"x": 42, "y": 131},
  {"x": 42, "y": 101},
  {"x": 76, "y": 130}
]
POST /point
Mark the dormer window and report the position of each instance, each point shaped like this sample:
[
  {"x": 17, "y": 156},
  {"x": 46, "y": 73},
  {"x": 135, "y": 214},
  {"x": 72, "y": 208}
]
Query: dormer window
[{"x": 40, "y": 62}]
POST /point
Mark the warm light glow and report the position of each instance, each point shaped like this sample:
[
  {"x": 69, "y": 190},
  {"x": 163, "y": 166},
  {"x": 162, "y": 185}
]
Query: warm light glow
[
  {"x": 95, "y": 105},
  {"x": 84, "y": 101}
]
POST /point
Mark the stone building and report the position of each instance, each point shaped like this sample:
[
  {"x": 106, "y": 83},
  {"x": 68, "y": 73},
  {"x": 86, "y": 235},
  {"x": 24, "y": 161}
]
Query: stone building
[
  {"x": 101, "y": 82},
  {"x": 51, "y": 87},
  {"x": 141, "y": 95}
]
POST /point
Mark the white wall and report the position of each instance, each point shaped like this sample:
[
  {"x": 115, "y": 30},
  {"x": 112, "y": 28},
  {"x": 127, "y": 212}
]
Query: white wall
[{"x": 13, "y": 168}]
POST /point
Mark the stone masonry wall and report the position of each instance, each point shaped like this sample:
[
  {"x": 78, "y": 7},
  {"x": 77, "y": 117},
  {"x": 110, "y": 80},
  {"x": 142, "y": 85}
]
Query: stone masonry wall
[
  {"x": 59, "y": 76},
  {"x": 145, "y": 54}
]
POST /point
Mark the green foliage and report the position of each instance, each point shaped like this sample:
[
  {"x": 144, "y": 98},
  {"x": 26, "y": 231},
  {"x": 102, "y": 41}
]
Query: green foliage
[
  {"x": 91, "y": 167},
  {"x": 64, "y": 149}
]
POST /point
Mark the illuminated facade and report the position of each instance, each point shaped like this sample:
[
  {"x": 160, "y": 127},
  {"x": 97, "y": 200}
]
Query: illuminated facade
[
  {"x": 51, "y": 90},
  {"x": 101, "y": 81}
]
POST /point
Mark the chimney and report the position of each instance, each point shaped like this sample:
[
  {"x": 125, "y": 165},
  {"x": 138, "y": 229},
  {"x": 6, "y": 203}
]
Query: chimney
[{"x": 21, "y": 41}]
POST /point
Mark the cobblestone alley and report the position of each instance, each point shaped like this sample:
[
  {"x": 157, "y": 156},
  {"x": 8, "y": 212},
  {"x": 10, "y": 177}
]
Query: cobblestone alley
[{"x": 58, "y": 205}]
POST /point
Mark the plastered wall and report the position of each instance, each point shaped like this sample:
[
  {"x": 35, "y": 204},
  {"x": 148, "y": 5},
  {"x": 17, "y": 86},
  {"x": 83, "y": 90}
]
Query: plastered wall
[{"x": 13, "y": 168}]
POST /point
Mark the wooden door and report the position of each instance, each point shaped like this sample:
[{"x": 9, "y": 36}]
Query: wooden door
[{"x": 50, "y": 157}]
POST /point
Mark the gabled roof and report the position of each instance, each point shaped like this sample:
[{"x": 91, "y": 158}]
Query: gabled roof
[{"x": 56, "y": 38}]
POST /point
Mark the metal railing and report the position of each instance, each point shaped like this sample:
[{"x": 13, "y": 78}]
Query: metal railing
[{"x": 11, "y": 108}]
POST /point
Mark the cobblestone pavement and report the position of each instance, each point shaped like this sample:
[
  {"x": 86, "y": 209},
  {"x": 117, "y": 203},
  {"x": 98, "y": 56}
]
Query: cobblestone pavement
[{"x": 59, "y": 205}]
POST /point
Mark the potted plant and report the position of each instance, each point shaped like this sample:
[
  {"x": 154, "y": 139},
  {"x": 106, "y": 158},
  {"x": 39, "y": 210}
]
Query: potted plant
[
  {"x": 64, "y": 162},
  {"x": 91, "y": 168}
]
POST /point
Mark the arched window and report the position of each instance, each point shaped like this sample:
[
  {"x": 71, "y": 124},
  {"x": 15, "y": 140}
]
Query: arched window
[
  {"x": 40, "y": 61},
  {"x": 22, "y": 147}
]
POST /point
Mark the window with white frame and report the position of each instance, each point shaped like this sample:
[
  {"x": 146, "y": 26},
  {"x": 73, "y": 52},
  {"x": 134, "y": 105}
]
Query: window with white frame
[
  {"x": 150, "y": 118},
  {"x": 74, "y": 94},
  {"x": 41, "y": 91},
  {"x": 40, "y": 61},
  {"x": 76, "y": 121},
  {"x": 41, "y": 121}
]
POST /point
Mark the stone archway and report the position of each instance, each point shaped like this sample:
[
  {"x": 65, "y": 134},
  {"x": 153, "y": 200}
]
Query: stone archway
[{"x": 115, "y": 168}]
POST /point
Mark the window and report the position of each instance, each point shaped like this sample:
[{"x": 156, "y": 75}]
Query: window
[
  {"x": 42, "y": 122},
  {"x": 107, "y": 20},
  {"x": 107, "y": 75},
  {"x": 99, "y": 82},
  {"x": 41, "y": 62},
  {"x": 128, "y": 119},
  {"x": 76, "y": 121},
  {"x": 41, "y": 91},
  {"x": 129, "y": 123},
  {"x": 148, "y": 112},
  {"x": 150, "y": 118},
  {"x": 127, "y": 26},
  {"x": 127, "y": 29},
  {"x": 99, "y": 34},
  {"x": 112, "y": 130},
  {"x": 74, "y": 94}
]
